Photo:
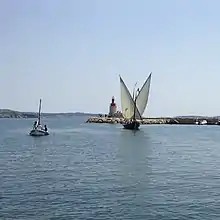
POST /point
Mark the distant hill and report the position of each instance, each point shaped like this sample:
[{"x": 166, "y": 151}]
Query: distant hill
[{"x": 8, "y": 113}]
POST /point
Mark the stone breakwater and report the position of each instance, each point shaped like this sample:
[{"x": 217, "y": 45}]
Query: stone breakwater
[
  {"x": 122, "y": 120},
  {"x": 210, "y": 121}
]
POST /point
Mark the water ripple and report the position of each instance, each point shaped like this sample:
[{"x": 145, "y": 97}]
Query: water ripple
[{"x": 84, "y": 171}]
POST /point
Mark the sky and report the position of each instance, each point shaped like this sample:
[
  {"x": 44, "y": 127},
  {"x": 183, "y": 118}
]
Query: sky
[{"x": 70, "y": 53}]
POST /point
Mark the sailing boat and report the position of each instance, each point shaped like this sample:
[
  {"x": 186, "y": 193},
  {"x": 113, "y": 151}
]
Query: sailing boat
[
  {"x": 134, "y": 107},
  {"x": 38, "y": 130}
]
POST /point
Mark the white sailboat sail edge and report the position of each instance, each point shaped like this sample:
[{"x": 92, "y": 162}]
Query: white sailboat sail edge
[
  {"x": 127, "y": 102},
  {"x": 143, "y": 96}
]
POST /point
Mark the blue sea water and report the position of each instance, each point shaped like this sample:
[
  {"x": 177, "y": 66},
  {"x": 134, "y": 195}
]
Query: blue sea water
[{"x": 101, "y": 171}]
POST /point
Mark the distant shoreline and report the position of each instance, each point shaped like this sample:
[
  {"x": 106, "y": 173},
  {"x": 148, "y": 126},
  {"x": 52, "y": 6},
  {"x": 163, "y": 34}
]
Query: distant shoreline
[{"x": 8, "y": 113}]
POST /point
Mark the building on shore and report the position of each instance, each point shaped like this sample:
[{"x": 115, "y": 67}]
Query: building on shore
[
  {"x": 113, "y": 110},
  {"x": 112, "y": 107}
]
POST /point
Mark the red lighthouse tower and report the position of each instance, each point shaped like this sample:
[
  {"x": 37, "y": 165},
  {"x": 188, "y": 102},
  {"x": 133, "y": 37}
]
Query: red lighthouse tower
[{"x": 112, "y": 107}]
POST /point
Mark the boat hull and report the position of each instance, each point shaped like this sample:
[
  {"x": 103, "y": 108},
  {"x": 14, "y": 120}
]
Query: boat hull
[
  {"x": 134, "y": 125},
  {"x": 38, "y": 132}
]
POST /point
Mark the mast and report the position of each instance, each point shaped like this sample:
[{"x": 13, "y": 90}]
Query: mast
[
  {"x": 134, "y": 98},
  {"x": 134, "y": 90},
  {"x": 39, "y": 112},
  {"x": 134, "y": 108}
]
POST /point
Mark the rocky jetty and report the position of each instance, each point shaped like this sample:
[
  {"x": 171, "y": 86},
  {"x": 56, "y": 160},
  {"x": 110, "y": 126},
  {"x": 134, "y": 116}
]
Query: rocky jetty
[
  {"x": 122, "y": 120},
  {"x": 113, "y": 120}
]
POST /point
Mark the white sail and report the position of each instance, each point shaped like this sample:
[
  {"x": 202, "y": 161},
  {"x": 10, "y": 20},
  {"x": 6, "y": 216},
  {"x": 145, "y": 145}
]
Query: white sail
[
  {"x": 142, "y": 98},
  {"x": 127, "y": 102}
]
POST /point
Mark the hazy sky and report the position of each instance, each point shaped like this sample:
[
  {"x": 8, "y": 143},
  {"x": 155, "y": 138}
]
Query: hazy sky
[{"x": 70, "y": 53}]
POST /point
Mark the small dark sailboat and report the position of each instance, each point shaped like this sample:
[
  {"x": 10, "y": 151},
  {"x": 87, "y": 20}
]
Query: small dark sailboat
[{"x": 38, "y": 130}]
